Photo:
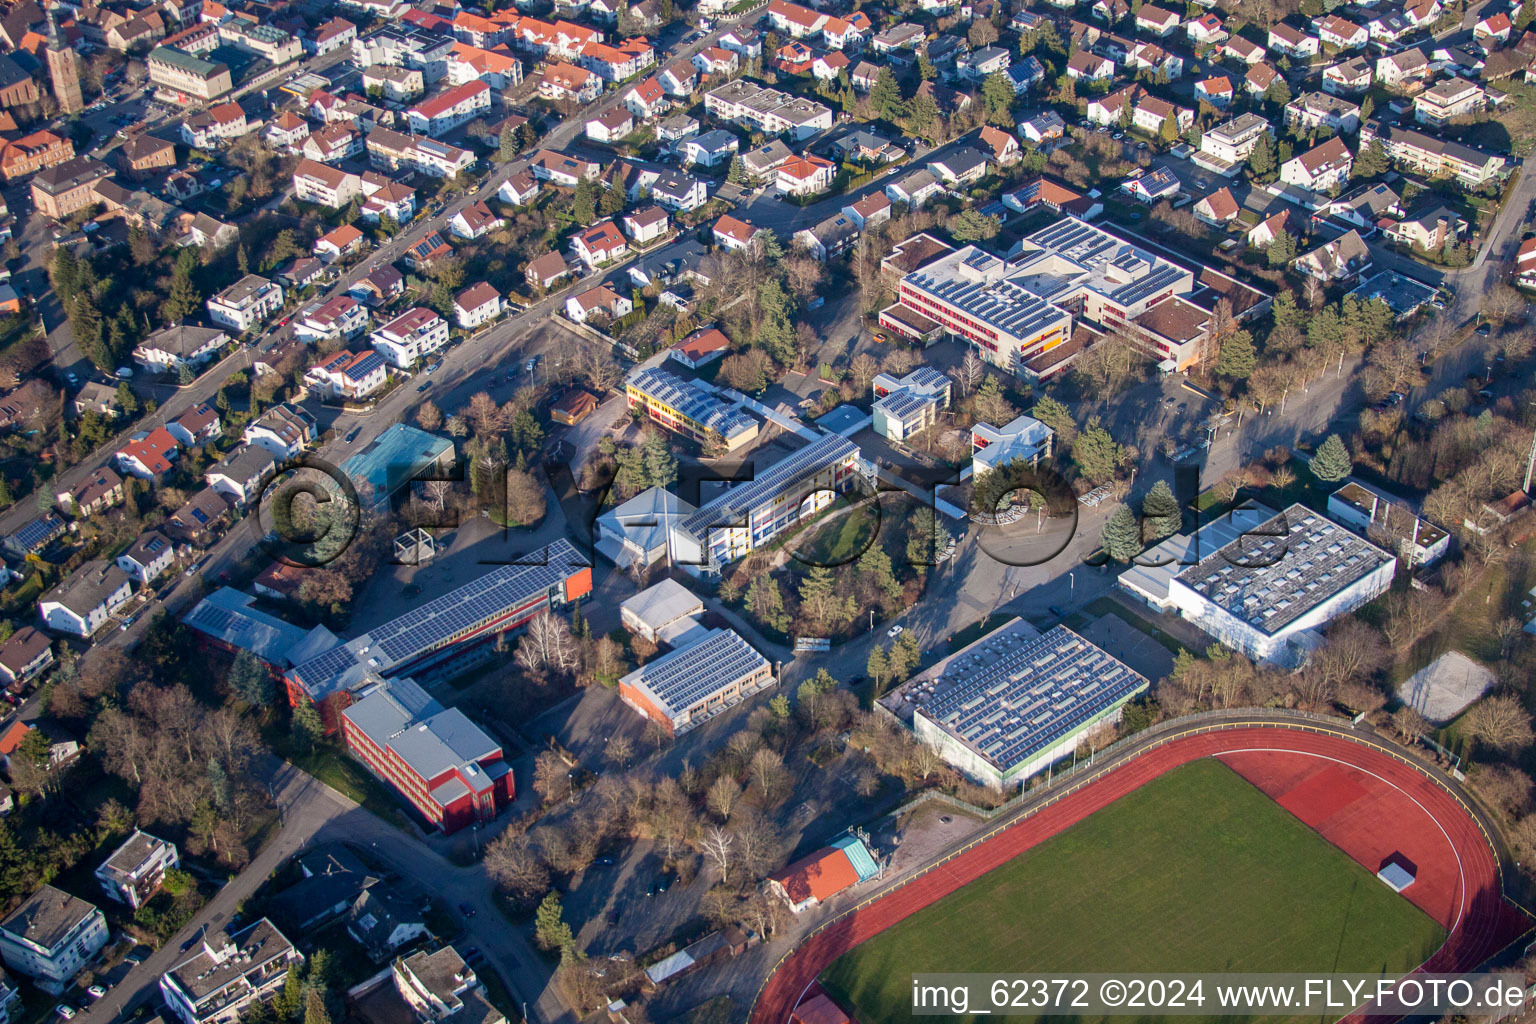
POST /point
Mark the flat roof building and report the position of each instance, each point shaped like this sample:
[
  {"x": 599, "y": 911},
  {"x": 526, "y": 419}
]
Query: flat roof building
[
  {"x": 687, "y": 407},
  {"x": 437, "y": 759},
  {"x": 904, "y": 406},
  {"x": 660, "y": 609},
  {"x": 227, "y": 973},
  {"x": 136, "y": 868},
  {"x": 680, "y": 690},
  {"x": 1015, "y": 701},
  {"x": 1390, "y": 522},
  {"x": 1022, "y": 439},
  {"x": 1265, "y": 593},
  {"x": 50, "y": 937}
]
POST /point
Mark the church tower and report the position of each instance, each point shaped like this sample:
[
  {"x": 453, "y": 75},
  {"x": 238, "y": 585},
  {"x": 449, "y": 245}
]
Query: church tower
[{"x": 64, "y": 69}]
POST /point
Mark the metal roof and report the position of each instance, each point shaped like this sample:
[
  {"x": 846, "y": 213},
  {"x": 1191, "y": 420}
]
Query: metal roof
[
  {"x": 1015, "y": 693},
  {"x": 678, "y": 681},
  {"x": 1283, "y": 568},
  {"x": 731, "y": 508},
  {"x": 692, "y": 401}
]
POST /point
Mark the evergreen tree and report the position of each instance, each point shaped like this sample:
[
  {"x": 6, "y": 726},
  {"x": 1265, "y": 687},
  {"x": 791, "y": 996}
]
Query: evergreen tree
[
  {"x": 1281, "y": 251},
  {"x": 584, "y": 204},
  {"x": 508, "y": 144},
  {"x": 1127, "y": 115},
  {"x": 1278, "y": 93},
  {"x": 660, "y": 464},
  {"x": 1056, "y": 416},
  {"x": 314, "y": 1008},
  {"x": 1096, "y": 453},
  {"x": 885, "y": 96},
  {"x": 306, "y": 725},
  {"x": 767, "y": 603},
  {"x": 1160, "y": 511},
  {"x": 878, "y": 668},
  {"x": 86, "y": 323},
  {"x": 925, "y": 69},
  {"x": 998, "y": 96},
  {"x": 250, "y": 681},
  {"x": 184, "y": 374},
  {"x": 1170, "y": 130},
  {"x": 776, "y": 333},
  {"x": 1236, "y": 359},
  {"x": 1262, "y": 160},
  {"x": 736, "y": 174},
  {"x": 1121, "y": 536},
  {"x": 1372, "y": 161},
  {"x": 242, "y": 260},
  {"x": 1331, "y": 462},
  {"x": 924, "y": 119},
  {"x": 184, "y": 299},
  {"x": 549, "y": 927},
  {"x": 1285, "y": 311},
  {"x": 610, "y": 202}
]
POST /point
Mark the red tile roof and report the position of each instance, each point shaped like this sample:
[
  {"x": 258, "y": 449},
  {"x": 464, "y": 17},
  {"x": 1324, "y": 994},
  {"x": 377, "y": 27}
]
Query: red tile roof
[{"x": 822, "y": 875}]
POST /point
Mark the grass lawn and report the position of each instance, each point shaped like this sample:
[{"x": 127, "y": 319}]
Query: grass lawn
[
  {"x": 1196, "y": 871},
  {"x": 839, "y": 540}
]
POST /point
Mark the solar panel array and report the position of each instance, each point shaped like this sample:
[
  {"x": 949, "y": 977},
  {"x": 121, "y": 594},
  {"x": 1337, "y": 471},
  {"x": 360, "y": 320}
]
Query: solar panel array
[
  {"x": 686, "y": 677},
  {"x": 1283, "y": 568},
  {"x": 1005, "y": 305},
  {"x": 1095, "y": 249},
  {"x": 692, "y": 402},
  {"x": 731, "y": 508},
  {"x": 1013, "y": 695},
  {"x": 901, "y": 404},
  {"x": 434, "y": 624}
]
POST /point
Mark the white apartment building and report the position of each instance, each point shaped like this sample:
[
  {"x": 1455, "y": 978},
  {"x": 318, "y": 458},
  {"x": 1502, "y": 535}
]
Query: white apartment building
[
  {"x": 477, "y": 304},
  {"x": 246, "y": 304},
  {"x": 446, "y": 111},
  {"x": 224, "y": 974},
  {"x": 324, "y": 185},
  {"x": 393, "y": 151},
  {"x": 82, "y": 602},
  {"x": 768, "y": 110},
  {"x": 341, "y": 317},
  {"x": 50, "y": 937},
  {"x": 1448, "y": 99},
  {"x": 136, "y": 868},
  {"x": 408, "y": 337}
]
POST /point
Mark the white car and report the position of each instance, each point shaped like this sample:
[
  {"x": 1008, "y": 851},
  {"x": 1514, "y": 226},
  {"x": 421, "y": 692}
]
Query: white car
[
  {"x": 65, "y": 1010},
  {"x": 895, "y": 630}
]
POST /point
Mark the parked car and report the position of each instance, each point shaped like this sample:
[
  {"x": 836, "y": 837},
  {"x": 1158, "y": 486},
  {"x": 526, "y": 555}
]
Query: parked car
[
  {"x": 896, "y": 630},
  {"x": 65, "y": 1010}
]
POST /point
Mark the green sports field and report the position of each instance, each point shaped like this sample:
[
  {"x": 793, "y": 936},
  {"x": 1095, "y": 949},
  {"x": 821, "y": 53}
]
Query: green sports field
[{"x": 1195, "y": 871}]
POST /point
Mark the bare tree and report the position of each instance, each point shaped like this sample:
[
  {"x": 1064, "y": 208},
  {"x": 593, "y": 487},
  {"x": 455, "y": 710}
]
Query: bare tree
[
  {"x": 514, "y": 864},
  {"x": 972, "y": 369},
  {"x": 768, "y": 776},
  {"x": 548, "y": 644},
  {"x": 723, "y": 794},
  {"x": 1503, "y": 304},
  {"x": 716, "y": 843},
  {"x": 861, "y": 372},
  {"x": 1408, "y": 723},
  {"x": 1506, "y": 787},
  {"x": 925, "y": 759},
  {"x": 429, "y": 416},
  {"x": 551, "y": 777},
  {"x": 1501, "y": 722}
]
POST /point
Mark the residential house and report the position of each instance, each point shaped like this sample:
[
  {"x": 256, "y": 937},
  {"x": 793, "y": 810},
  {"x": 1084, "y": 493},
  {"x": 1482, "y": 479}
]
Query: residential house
[
  {"x": 1217, "y": 91},
  {"x": 1156, "y": 21},
  {"x": 1365, "y": 206},
  {"x": 246, "y": 304},
  {"x": 474, "y": 221},
  {"x": 1429, "y": 230},
  {"x": 80, "y": 604},
  {"x": 195, "y": 521},
  {"x": 1001, "y": 148},
  {"x": 170, "y": 348},
  {"x": 338, "y": 243},
  {"x": 647, "y": 100},
  {"x": 342, "y": 317},
  {"x": 566, "y": 82},
  {"x": 696, "y": 351},
  {"x": 50, "y": 937},
  {"x": 611, "y": 126},
  {"x": 710, "y": 149},
  {"x": 1403, "y": 68},
  {"x": 1084, "y": 66},
  {"x": 1044, "y": 128},
  {"x": 600, "y": 300},
  {"x": 645, "y": 225},
  {"x": 805, "y": 175},
  {"x": 226, "y": 973},
  {"x": 99, "y": 491},
  {"x": 1343, "y": 259},
  {"x": 149, "y": 456},
  {"x": 416, "y": 333},
  {"x": 1260, "y": 78},
  {"x": 1340, "y": 33},
  {"x": 679, "y": 79},
  {"x": 1243, "y": 50},
  {"x": 478, "y": 304},
  {"x": 545, "y": 271},
  {"x": 331, "y": 187},
  {"x": 209, "y": 129},
  {"x": 347, "y": 377},
  {"x": 519, "y": 190},
  {"x": 1317, "y": 110},
  {"x": 830, "y": 238},
  {"x": 285, "y": 430},
  {"x": 1431, "y": 156},
  {"x": 286, "y": 132},
  {"x": 1205, "y": 30},
  {"x": 914, "y": 188},
  {"x": 600, "y": 244},
  {"x": 733, "y": 233},
  {"x": 1217, "y": 209},
  {"x": 1151, "y": 186},
  {"x": 1446, "y": 100},
  {"x": 383, "y": 920},
  {"x": 1348, "y": 78},
  {"x": 564, "y": 171},
  {"x": 1493, "y": 31},
  {"x": 1321, "y": 168},
  {"x": 24, "y": 655},
  {"x": 333, "y": 144},
  {"x": 958, "y": 168},
  {"x": 678, "y": 191},
  {"x": 239, "y": 476},
  {"x": 378, "y": 287},
  {"x": 198, "y": 425},
  {"x": 1293, "y": 42},
  {"x": 147, "y": 557}
]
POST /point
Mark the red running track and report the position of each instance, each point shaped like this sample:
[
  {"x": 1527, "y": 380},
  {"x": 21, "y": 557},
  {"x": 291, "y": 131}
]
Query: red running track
[{"x": 1365, "y": 802}]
